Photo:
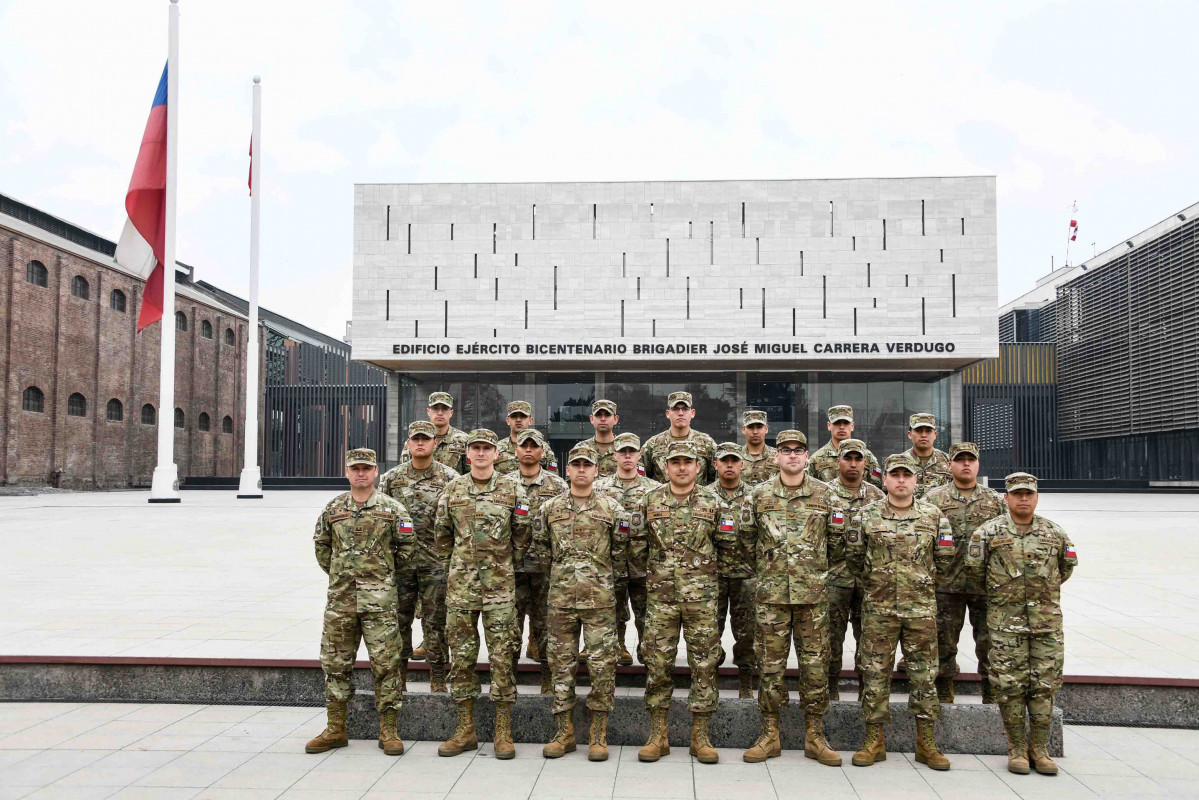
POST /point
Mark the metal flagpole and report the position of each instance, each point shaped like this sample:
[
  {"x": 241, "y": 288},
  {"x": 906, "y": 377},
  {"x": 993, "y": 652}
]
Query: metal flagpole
[
  {"x": 165, "y": 485},
  {"x": 251, "y": 476}
]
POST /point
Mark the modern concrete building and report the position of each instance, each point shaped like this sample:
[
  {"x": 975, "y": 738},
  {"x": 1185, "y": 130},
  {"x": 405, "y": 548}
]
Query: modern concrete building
[{"x": 787, "y": 295}]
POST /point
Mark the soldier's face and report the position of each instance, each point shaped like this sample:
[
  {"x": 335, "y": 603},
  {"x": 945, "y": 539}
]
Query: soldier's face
[
  {"x": 850, "y": 466},
  {"x": 792, "y": 458},
  {"x": 440, "y": 416},
  {"x": 899, "y": 483},
  {"x": 529, "y": 452},
  {"x": 482, "y": 455},
  {"x": 729, "y": 467},
  {"x": 922, "y": 439},
  {"x": 420, "y": 446},
  {"x": 840, "y": 429},
  {"x": 682, "y": 470},
  {"x": 964, "y": 468},
  {"x": 680, "y": 415},
  {"x": 1022, "y": 502},
  {"x": 361, "y": 476},
  {"x": 581, "y": 473},
  {"x": 518, "y": 423},
  {"x": 604, "y": 421},
  {"x": 627, "y": 458},
  {"x": 755, "y": 434}
]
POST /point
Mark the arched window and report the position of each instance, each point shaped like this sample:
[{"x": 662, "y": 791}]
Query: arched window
[
  {"x": 115, "y": 411},
  {"x": 148, "y": 415},
  {"x": 230, "y": 339},
  {"x": 80, "y": 288},
  {"x": 33, "y": 400},
  {"x": 178, "y": 417},
  {"x": 202, "y": 421},
  {"x": 76, "y": 405},
  {"x": 180, "y": 321},
  {"x": 116, "y": 300},
  {"x": 35, "y": 273},
  {"x": 227, "y": 424}
]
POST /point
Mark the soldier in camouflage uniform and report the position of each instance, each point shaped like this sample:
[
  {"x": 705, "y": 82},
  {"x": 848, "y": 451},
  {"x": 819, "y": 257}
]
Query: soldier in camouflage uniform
[
  {"x": 680, "y": 412},
  {"x": 1023, "y": 559},
  {"x": 967, "y": 505},
  {"x": 896, "y": 547},
  {"x": 691, "y": 531},
  {"x": 629, "y": 485},
  {"x": 736, "y": 597},
  {"x": 844, "y": 591},
  {"x": 450, "y": 448},
  {"x": 932, "y": 464},
  {"x": 603, "y": 420},
  {"x": 533, "y": 571},
  {"x": 584, "y": 534},
  {"x": 362, "y": 538},
  {"x": 760, "y": 463},
  {"x": 797, "y": 525},
  {"x": 482, "y": 530},
  {"x": 417, "y": 484},
  {"x": 823, "y": 464},
  {"x": 520, "y": 418}
]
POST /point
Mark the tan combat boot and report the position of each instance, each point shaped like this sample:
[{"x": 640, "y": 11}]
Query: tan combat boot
[
  {"x": 815, "y": 745},
  {"x": 768, "y": 744},
  {"x": 464, "y": 737},
  {"x": 926, "y": 746},
  {"x": 564, "y": 740},
  {"x": 437, "y": 678},
  {"x": 746, "y": 688},
  {"x": 658, "y": 744},
  {"x": 945, "y": 690},
  {"x": 389, "y": 738},
  {"x": 504, "y": 748},
  {"x": 874, "y": 749},
  {"x": 1017, "y": 736},
  {"x": 334, "y": 734},
  {"x": 701, "y": 742},
  {"x": 547, "y": 680},
  {"x": 1040, "y": 715},
  {"x": 597, "y": 749},
  {"x": 624, "y": 658},
  {"x": 420, "y": 653}
]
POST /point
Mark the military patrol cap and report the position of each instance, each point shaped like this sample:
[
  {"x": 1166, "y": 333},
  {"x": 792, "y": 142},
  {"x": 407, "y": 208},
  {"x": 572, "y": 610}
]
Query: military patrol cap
[
  {"x": 852, "y": 446},
  {"x": 725, "y": 449},
  {"x": 483, "y": 435},
  {"x": 530, "y": 433},
  {"x": 682, "y": 449},
  {"x": 753, "y": 418},
  {"x": 963, "y": 447},
  {"x": 520, "y": 407},
  {"x": 790, "y": 436},
  {"x": 679, "y": 397},
  {"x": 361, "y": 455},
  {"x": 1021, "y": 480},
  {"x": 625, "y": 441},
  {"x": 838, "y": 413},
  {"x": 604, "y": 405},
  {"x": 922, "y": 421},
  {"x": 441, "y": 399},
  {"x": 901, "y": 461},
  {"x": 422, "y": 427},
  {"x": 584, "y": 452}
]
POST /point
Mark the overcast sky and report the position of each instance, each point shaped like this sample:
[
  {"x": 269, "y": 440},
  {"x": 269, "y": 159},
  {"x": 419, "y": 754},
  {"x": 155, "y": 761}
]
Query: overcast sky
[{"x": 1089, "y": 101}]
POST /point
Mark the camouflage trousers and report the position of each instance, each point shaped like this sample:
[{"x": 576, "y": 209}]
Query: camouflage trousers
[
  {"x": 462, "y": 634},
  {"x": 631, "y": 591},
  {"x": 880, "y": 634},
  {"x": 427, "y": 589},
  {"x": 951, "y": 616},
  {"x": 697, "y": 622},
  {"x": 598, "y": 626},
  {"x": 844, "y": 611},
  {"x": 735, "y": 599},
  {"x": 1026, "y": 665},
  {"x": 532, "y": 602},
  {"x": 343, "y": 629},
  {"x": 806, "y": 625}
]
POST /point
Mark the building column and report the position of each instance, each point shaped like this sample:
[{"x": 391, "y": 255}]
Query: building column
[
  {"x": 957, "y": 414},
  {"x": 392, "y": 432}
]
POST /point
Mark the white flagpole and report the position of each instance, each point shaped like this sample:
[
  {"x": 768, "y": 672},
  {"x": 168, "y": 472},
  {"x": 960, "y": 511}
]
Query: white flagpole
[
  {"x": 165, "y": 486},
  {"x": 251, "y": 475}
]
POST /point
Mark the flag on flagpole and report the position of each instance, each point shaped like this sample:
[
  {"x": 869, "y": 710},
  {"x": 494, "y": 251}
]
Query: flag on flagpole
[{"x": 143, "y": 239}]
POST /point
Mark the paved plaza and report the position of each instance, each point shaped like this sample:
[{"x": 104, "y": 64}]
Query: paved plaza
[{"x": 107, "y": 574}]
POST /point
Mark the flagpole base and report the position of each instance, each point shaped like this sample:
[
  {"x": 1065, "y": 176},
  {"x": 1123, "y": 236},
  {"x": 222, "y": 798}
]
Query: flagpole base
[
  {"x": 164, "y": 487},
  {"x": 251, "y": 484}
]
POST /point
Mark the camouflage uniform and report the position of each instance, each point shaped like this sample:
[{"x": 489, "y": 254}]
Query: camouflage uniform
[
  {"x": 360, "y": 548},
  {"x": 823, "y": 463},
  {"x": 607, "y": 458},
  {"x": 482, "y": 532},
  {"x": 931, "y": 472},
  {"x": 450, "y": 450},
  {"x": 653, "y": 452},
  {"x": 533, "y": 571},
  {"x": 896, "y": 555},
  {"x": 736, "y": 583},
  {"x": 759, "y": 468},
  {"x": 507, "y": 462},
  {"x": 844, "y": 591},
  {"x": 687, "y": 539}
]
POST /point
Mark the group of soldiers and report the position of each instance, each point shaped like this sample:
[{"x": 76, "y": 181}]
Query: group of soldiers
[{"x": 677, "y": 534}]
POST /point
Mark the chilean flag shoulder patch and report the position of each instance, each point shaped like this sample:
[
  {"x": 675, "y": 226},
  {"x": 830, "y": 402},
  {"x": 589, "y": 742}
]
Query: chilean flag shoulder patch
[
  {"x": 946, "y": 540},
  {"x": 1070, "y": 552},
  {"x": 726, "y": 525},
  {"x": 876, "y": 471},
  {"x": 641, "y": 470},
  {"x": 838, "y": 518},
  {"x": 624, "y": 526},
  {"x": 553, "y": 467},
  {"x": 522, "y": 509},
  {"x": 405, "y": 526}
]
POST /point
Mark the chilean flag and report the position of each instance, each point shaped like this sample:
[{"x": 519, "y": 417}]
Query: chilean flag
[{"x": 143, "y": 239}]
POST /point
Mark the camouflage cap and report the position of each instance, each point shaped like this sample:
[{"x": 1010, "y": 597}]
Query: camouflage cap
[
  {"x": 679, "y": 397},
  {"x": 625, "y": 441},
  {"x": 520, "y": 407},
  {"x": 441, "y": 399},
  {"x": 923, "y": 420},
  {"x": 725, "y": 449},
  {"x": 482, "y": 435},
  {"x": 530, "y": 433},
  {"x": 790, "y": 435},
  {"x": 684, "y": 448},
  {"x": 901, "y": 461},
  {"x": 852, "y": 446},
  {"x": 604, "y": 405},
  {"x": 753, "y": 418},
  {"x": 584, "y": 451},
  {"x": 963, "y": 447},
  {"x": 422, "y": 427},
  {"x": 838, "y": 413},
  {"x": 1021, "y": 480},
  {"x": 361, "y": 455}
]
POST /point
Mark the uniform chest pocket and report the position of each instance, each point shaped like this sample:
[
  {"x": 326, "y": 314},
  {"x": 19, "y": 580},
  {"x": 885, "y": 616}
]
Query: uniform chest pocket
[
  {"x": 1002, "y": 562},
  {"x": 342, "y": 527},
  {"x": 657, "y": 513}
]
